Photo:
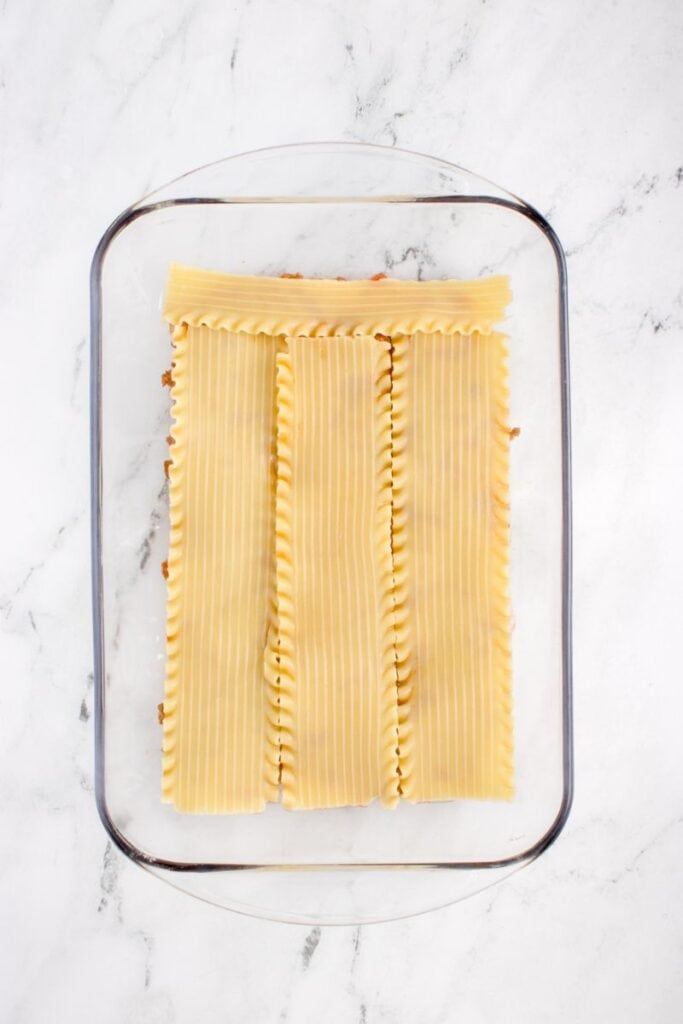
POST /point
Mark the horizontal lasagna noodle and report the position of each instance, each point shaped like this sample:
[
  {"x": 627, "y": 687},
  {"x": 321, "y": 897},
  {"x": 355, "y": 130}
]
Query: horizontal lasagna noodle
[{"x": 310, "y": 308}]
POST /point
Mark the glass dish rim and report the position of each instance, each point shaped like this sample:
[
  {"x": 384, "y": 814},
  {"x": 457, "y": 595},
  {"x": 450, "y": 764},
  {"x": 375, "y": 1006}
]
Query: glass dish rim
[{"x": 146, "y": 206}]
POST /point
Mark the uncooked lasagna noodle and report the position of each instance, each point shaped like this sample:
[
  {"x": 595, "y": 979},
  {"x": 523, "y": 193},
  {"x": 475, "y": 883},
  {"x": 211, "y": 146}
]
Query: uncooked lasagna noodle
[
  {"x": 334, "y": 608},
  {"x": 337, "y": 612},
  {"x": 452, "y": 507},
  {"x": 218, "y": 569}
]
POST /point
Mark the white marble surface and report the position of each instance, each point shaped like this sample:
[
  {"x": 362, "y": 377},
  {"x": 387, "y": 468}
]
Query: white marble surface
[{"x": 577, "y": 108}]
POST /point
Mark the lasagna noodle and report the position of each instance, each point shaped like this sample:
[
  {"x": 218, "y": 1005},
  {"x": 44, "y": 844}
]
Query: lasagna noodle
[
  {"x": 451, "y": 512},
  {"x": 220, "y": 499},
  {"x": 322, "y": 308},
  {"x": 332, "y": 646}
]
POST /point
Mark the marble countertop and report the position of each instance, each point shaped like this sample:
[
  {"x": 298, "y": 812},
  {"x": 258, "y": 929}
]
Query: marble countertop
[{"x": 577, "y": 108}]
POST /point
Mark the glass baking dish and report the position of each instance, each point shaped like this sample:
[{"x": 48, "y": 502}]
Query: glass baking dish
[{"x": 324, "y": 210}]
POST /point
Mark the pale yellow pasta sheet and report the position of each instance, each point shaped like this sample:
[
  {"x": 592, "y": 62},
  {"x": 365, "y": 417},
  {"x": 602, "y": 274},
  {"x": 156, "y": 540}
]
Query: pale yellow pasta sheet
[
  {"x": 456, "y": 730},
  {"x": 219, "y": 561},
  {"x": 335, "y": 636}
]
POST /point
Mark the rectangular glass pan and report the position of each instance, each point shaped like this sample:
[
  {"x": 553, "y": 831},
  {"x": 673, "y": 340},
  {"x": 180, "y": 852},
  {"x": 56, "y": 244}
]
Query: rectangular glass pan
[{"x": 323, "y": 213}]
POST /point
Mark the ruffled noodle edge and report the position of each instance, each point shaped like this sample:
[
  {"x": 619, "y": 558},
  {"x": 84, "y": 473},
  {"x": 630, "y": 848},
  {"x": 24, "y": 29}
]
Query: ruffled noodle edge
[
  {"x": 174, "y": 582},
  {"x": 500, "y": 570},
  {"x": 399, "y": 552},
  {"x": 384, "y": 567},
  {"x": 279, "y": 653},
  {"x": 271, "y": 663}
]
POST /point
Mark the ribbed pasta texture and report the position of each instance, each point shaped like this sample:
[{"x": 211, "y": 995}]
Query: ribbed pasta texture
[
  {"x": 218, "y": 571},
  {"x": 456, "y": 542},
  {"x": 338, "y": 612},
  {"x": 336, "y": 568},
  {"x": 313, "y": 309}
]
